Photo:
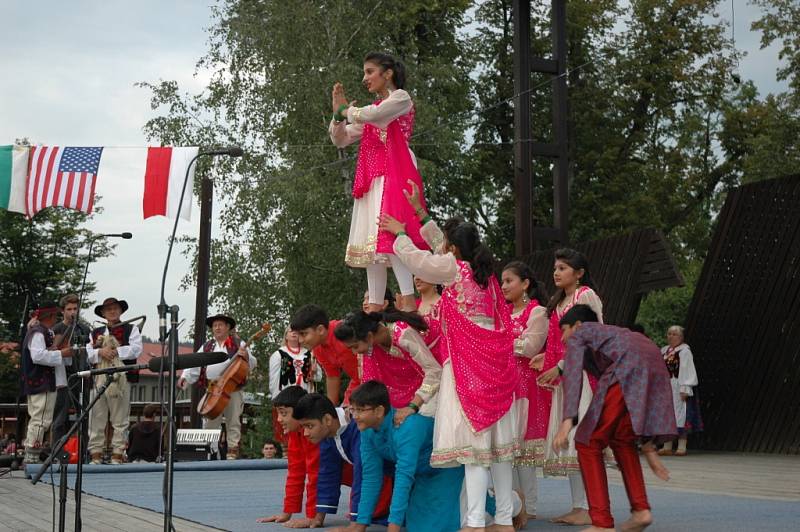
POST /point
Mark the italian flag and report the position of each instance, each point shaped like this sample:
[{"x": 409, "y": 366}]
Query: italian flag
[{"x": 13, "y": 177}]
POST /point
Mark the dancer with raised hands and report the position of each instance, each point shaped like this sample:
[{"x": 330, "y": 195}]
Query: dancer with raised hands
[{"x": 385, "y": 164}]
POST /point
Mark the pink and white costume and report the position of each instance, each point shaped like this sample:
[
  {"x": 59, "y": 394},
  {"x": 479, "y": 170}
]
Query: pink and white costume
[
  {"x": 530, "y": 329},
  {"x": 566, "y": 462},
  {"x": 407, "y": 369},
  {"x": 385, "y": 164},
  {"x": 476, "y": 422}
]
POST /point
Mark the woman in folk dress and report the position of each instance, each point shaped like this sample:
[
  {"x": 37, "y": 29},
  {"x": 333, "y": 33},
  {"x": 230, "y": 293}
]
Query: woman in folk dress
[{"x": 683, "y": 378}]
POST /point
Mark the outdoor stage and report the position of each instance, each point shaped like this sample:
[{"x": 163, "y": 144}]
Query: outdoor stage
[{"x": 708, "y": 492}]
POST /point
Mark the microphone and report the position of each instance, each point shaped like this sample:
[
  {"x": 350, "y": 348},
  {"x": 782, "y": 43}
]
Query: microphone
[
  {"x": 189, "y": 360},
  {"x": 231, "y": 151},
  {"x": 126, "y": 236},
  {"x": 160, "y": 364}
]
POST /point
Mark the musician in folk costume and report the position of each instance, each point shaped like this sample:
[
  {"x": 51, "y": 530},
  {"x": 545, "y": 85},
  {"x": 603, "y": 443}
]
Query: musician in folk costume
[
  {"x": 113, "y": 344},
  {"x": 224, "y": 340},
  {"x": 73, "y": 333},
  {"x": 42, "y": 372}
]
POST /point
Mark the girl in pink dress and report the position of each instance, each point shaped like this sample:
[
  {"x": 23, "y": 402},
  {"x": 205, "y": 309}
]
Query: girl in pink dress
[
  {"x": 529, "y": 320},
  {"x": 574, "y": 286},
  {"x": 385, "y": 165},
  {"x": 476, "y": 422},
  {"x": 393, "y": 352}
]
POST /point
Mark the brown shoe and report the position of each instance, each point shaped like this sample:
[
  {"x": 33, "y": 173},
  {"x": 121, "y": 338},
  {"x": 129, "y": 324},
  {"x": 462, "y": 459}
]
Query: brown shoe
[
  {"x": 117, "y": 459},
  {"x": 665, "y": 452},
  {"x": 233, "y": 453},
  {"x": 97, "y": 459},
  {"x": 680, "y": 453}
]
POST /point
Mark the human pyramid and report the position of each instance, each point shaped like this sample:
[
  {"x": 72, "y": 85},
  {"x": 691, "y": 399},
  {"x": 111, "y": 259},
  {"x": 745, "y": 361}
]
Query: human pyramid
[{"x": 456, "y": 399}]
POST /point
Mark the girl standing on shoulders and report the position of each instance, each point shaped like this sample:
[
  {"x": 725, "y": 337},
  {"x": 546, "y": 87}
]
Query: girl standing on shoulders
[
  {"x": 475, "y": 423},
  {"x": 574, "y": 286},
  {"x": 385, "y": 165},
  {"x": 529, "y": 320}
]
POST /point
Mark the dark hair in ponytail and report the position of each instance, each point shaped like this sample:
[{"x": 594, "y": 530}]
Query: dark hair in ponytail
[
  {"x": 356, "y": 325},
  {"x": 465, "y": 237},
  {"x": 523, "y": 271},
  {"x": 388, "y": 62},
  {"x": 577, "y": 261}
]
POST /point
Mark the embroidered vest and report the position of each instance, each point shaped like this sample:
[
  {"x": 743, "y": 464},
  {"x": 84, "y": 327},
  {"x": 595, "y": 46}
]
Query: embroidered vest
[
  {"x": 37, "y": 378},
  {"x": 293, "y": 370},
  {"x": 123, "y": 336}
]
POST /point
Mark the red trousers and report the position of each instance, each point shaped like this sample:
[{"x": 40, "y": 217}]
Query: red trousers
[{"x": 614, "y": 429}]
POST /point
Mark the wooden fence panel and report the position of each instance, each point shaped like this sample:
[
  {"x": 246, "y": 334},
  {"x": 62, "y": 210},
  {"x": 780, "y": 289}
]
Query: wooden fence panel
[{"x": 743, "y": 324}]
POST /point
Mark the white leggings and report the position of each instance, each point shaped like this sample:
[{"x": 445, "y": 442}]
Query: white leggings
[
  {"x": 376, "y": 280},
  {"x": 525, "y": 481},
  {"x": 476, "y": 479},
  {"x": 578, "y": 491}
]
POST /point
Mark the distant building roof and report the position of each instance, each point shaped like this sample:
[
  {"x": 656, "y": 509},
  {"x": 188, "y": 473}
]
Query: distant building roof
[{"x": 150, "y": 351}]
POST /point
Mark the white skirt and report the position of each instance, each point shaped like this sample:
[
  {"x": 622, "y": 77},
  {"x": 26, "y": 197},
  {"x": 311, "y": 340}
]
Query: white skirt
[
  {"x": 455, "y": 443},
  {"x": 567, "y": 460},
  {"x": 363, "y": 241},
  {"x": 678, "y": 403}
]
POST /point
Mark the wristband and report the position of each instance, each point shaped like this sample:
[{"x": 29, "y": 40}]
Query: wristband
[
  {"x": 426, "y": 219},
  {"x": 413, "y": 406},
  {"x": 338, "y": 116},
  {"x": 560, "y": 371},
  {"x": 401, "y": 233}
]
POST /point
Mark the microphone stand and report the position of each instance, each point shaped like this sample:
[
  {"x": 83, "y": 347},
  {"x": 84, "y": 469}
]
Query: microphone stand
[
  {"x": 82, "y": 420},
  {"x": 173, "y": 353},
  {"x": 58, "y": 451}
]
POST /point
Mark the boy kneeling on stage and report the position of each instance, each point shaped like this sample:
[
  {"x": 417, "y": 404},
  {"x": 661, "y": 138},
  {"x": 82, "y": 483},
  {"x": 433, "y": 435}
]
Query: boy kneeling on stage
[
  {"x": 340, "y": 459},
  {"x": 633, "y": 400},
  {"x": 423, "y": 498},
  {"x": 303, "y": 458}
]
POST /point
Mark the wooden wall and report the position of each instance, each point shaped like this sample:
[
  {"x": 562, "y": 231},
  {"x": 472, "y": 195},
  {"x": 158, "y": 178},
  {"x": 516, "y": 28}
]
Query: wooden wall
[{"x": 744, "y": 322}]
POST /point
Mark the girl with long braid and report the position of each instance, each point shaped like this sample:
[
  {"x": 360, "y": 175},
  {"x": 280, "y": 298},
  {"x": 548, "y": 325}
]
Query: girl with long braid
[{"x": 475, "y": 424}]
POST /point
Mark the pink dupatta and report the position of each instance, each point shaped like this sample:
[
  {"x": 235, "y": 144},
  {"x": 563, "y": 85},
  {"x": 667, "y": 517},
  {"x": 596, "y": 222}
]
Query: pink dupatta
[{"x": 482, "y": 359}]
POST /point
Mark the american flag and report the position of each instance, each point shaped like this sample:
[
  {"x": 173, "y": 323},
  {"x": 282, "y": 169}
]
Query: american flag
[{"x": 62, "y": 177}]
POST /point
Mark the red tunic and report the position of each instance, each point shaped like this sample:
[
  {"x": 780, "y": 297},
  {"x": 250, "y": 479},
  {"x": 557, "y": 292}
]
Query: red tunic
[
  {"x": 303, "y": 462},
  {"x": 334, "y": 357}
]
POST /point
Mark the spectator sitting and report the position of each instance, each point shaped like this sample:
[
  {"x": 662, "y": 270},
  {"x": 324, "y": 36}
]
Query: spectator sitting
[
  {"x": 272, "y": 450},
  {"x": 143, "y": 437}
]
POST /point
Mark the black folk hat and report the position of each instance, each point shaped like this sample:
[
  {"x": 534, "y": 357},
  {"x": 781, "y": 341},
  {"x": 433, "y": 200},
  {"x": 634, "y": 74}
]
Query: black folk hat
[
  {"x": 123, "y": 305},
  {"x": 217, "y": 317}
]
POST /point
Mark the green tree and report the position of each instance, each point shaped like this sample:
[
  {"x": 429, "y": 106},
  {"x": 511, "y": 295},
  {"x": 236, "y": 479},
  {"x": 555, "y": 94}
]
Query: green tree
[
  {"x": 42, "y": 260},
  {"x": 287, "y": 202}
]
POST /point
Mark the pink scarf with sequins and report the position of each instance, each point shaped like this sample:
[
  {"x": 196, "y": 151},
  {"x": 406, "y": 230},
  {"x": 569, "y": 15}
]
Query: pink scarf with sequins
[
  {"x": 399, "y": 169},
  {"x": 482, "y": 359}
]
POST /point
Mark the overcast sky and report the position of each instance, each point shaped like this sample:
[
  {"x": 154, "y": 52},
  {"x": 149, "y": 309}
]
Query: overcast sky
[{"x": 69, "y": 79}]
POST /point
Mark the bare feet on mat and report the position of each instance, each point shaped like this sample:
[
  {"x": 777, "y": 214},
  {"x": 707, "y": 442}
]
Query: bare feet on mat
[
  {"x": 597, "y": 529},
  {"x": 577, "y": 516},
  {"x": 640, "y": 519},
  {"x": 656, "y": 465}
]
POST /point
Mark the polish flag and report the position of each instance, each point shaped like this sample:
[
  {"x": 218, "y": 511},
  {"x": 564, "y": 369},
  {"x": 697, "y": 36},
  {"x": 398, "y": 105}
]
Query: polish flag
[{"x": 163, "y": 182}]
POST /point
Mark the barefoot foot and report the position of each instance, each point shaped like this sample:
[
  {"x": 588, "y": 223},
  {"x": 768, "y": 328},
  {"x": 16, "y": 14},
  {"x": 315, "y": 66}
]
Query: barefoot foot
[
  {"x": 597, "y": 529},
  {"x": 578, "y": 517},
  {"x": 640, "y": 519}
]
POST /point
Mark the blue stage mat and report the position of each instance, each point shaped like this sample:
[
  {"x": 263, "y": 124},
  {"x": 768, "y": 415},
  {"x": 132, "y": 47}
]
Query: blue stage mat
[{"x": 234, "y": 499}]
